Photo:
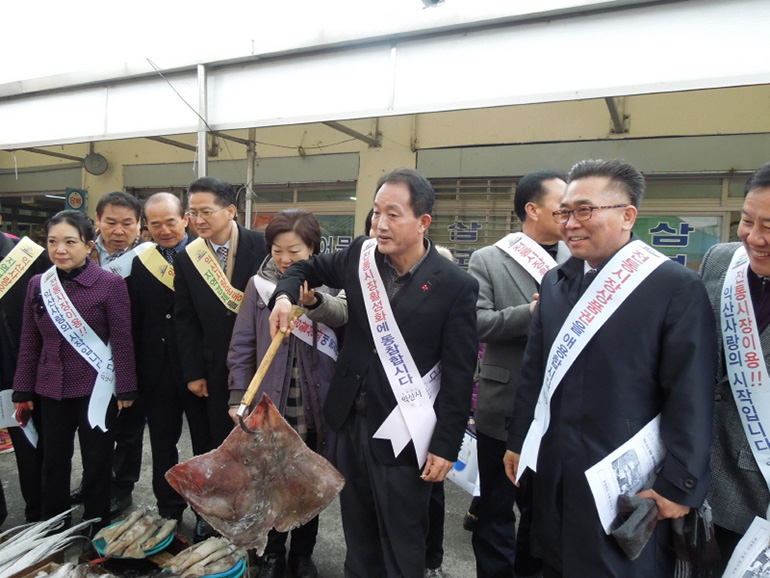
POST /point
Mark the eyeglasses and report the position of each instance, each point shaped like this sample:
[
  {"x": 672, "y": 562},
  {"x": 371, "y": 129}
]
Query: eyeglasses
[
  {"x": 582, "y": 213},
  {"x": 205, "y": 215}
]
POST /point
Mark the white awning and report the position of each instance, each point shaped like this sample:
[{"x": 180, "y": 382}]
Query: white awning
[{"x": 679, "y": 46}]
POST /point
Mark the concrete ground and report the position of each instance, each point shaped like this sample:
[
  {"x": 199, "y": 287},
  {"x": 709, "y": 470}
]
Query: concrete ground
[{"x": 330, "y": 549}]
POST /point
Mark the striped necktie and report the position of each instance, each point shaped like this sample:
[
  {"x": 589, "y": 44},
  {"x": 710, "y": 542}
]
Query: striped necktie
[{"x": 222, "y": 252}]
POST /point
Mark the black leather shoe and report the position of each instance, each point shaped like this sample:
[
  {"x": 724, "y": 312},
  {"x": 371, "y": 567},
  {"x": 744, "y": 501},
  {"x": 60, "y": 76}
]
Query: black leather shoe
[
  {"x": 303, "y": 567},
  {"x": 118, "y": 505},
  {"x": 203, "y": 531},
  {"x": 76, "y": 495},
  {"x": 273, "y": 566},
  {"x": 470, "y": 521}
]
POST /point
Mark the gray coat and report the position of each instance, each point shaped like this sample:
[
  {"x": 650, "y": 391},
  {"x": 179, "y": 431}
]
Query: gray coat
[
  {"x": 250, "y": 341},
  {"x": 502, "y": 320},
  {"x": 739, "y": 491}
]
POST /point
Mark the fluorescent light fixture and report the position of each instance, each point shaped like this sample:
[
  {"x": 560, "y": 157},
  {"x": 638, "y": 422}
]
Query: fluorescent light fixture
[{"x": 352, "y": 198}]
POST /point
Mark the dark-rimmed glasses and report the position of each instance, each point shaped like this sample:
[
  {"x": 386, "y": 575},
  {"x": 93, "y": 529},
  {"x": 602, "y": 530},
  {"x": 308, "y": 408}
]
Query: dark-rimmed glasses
[{"x": 581, "y": 213}]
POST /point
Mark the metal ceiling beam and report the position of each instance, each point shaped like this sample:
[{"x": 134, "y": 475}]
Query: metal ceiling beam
[
  {"x": 173, "y": 143},
  {"x": 372, "y": 142},
  {"x": 619, "y": 120},
  {"x": 242, "y": 141},
  {"x": 52, "y": 154}
]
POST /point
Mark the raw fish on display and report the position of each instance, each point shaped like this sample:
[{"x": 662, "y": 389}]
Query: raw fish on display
[{"x": 255, "y": 482}]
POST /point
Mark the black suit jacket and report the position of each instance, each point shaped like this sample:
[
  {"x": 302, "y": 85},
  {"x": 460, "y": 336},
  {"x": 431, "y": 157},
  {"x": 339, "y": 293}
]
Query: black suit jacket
[
  {"x": 203, "y": 324},
  {"x": 12, "y": 310},
  {"x": 655, "y": 354},
  {"x": 152, "y": 324},
  {"x": 436, "y": 313}
]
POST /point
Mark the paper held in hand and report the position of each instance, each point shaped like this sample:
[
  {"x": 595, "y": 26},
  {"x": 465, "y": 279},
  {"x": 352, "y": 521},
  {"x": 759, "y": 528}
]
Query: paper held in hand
[
  {"x": 751, "y": 556},
  {"x": 625, "y": 471}
]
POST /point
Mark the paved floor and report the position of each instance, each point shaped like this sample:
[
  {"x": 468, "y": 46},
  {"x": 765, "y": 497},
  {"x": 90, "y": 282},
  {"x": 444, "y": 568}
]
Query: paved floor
[{"x": 330, "y": 549}]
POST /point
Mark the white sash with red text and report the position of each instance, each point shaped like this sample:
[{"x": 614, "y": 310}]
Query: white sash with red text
[
  {"x": 414, "y": 417},
  {"x": 744, "y": 360},
  {"x": 627, "y": 269},
  {"x": 325, "y": 338},
  {"x": 85, "y": 341},
  {"x": 527, "y": 253}
]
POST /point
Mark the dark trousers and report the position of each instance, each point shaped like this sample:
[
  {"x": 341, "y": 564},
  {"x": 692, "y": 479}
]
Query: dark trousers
[
  {"x": 384, "y": 509},
  {"x": 727, "y": 540},
  {"x": 434, "y": 545},
  {"x": 494, "y": 539},
  {"x": 164, "y": 407},
  {"x": 127, "y": 456},
  {"x": 302, "y": 540},
  {"x": 500, "y": 551},
  {"x": 210, "y": 415},
  {"x": 60, "y": 420},
  {"x": 29, "y": 461}
]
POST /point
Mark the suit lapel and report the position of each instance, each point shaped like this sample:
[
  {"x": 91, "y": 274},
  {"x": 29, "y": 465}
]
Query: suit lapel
[
  {"x": 522, "y": 280},
  {"x": 423, "y": 285}
]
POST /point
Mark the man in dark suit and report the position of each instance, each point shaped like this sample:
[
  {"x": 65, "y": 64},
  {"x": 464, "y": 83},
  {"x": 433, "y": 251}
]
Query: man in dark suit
[
  {"x": 740, "y": 489},
  {"x": 204, "y": 320},
  {"x": 385, "y": 501},
  {"x": 508, "y": 284},
  {"x": 29, "y": 459},
  {"x": 159, "y": 372},
  {"x": 655, "y": 354}
]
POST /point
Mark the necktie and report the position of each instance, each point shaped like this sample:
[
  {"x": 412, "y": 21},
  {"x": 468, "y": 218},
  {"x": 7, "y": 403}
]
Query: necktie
[
  {"x": 588, "y": 278},
  {"x": 168, "y": 254},
  {"x": 222, "y": 252}
]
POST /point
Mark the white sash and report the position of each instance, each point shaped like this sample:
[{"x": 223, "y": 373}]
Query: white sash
[
  {"x": 326, "y": 340},
  {"x": 627, "y": 269},
  {"x": 744, "y": 360},
  {"x": 85, "y": 341},
  {"x": 527, "y": 253},
  {"x": 122, "y": 265},
  {"x": 414, "y": 417}
]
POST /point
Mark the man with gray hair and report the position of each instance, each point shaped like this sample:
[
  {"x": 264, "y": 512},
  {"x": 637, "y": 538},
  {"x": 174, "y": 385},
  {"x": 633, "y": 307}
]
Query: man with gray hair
[
  {"x": 159, "y": 371},
  {"x": 621, "y": 334}
]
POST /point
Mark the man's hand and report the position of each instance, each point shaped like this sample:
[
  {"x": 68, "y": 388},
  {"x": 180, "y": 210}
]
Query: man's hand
[
  {"x": 125, "y": 403},
  {"x": 533, "y": 304},
  {"x": 279, "y": 318},
  {"x": 436, "y": 468},
  {"x": 198, "y": 387},
  {"x": 511, "y": 461},
  {"x": 666, "y": 508}
]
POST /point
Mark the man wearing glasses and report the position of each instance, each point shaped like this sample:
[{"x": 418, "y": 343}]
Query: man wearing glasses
[
  {"x": 620, "y": 335},
  {"x": 205, "y": 311}
]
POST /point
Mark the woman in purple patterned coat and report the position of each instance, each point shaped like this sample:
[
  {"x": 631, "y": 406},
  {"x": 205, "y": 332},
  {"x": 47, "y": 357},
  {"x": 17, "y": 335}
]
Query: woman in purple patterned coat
[{"x": 76, "y": 304}]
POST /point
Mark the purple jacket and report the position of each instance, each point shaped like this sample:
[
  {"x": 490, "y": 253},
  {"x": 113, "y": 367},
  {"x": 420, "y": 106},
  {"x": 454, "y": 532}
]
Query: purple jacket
[
  {"x": 50, "y": 366},
  {"x": 249, "y": 343}
]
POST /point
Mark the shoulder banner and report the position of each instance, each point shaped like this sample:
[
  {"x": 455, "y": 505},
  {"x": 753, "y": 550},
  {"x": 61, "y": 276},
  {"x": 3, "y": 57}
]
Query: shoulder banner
[
  {"x": 627, "y": 269},
  {"x": 207, "y": 264}
]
